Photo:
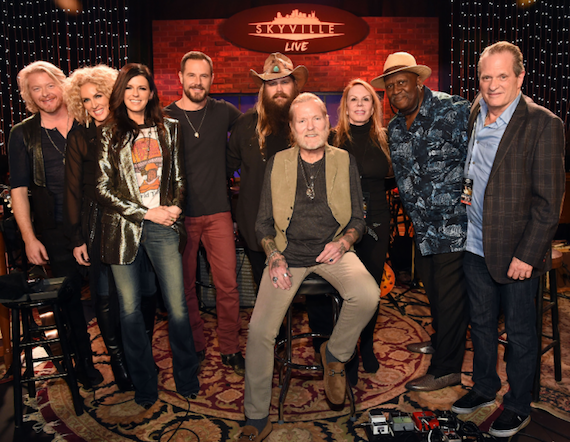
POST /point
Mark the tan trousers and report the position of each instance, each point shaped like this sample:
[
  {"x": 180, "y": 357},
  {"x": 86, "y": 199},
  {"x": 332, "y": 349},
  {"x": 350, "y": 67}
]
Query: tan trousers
[{"x": 361, "y": 295}]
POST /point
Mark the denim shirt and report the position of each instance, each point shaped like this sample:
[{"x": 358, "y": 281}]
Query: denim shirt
[{"x": 428, "y": 162}]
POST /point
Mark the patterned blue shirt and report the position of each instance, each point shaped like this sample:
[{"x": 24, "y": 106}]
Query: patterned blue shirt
[{"x": 428, "y": 162}]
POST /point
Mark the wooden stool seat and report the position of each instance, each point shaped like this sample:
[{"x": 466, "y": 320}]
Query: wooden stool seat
[{"x": 312, "y": 285}]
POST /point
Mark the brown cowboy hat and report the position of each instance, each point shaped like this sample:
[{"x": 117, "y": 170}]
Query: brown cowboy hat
[
  {"x": 400, "y": 62},
  {"x": 277, "y": 66}
]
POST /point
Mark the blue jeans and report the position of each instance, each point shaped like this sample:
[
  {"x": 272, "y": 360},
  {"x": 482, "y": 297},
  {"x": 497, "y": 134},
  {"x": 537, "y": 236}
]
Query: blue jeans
[
  {"x": 517, "y": 301},
  {"x": 161, "y": 245}
]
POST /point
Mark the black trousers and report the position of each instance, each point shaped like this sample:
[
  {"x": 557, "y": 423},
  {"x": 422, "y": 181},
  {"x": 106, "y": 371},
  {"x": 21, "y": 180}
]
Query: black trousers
[
  {"x": 444, "y": 283},
  {"x": 63, "y": 263}
]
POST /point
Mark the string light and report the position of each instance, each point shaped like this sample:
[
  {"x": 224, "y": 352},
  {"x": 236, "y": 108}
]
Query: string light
[
  {"x": 540, "y": 29},
  {"x": 37, "y": 30}
]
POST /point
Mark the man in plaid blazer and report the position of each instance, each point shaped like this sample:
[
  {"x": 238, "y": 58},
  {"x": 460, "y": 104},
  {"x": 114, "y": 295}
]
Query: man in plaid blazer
[{"x": 514, "y": 184}]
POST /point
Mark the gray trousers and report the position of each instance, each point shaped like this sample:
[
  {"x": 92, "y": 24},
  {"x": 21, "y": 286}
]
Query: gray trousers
[{"x": 361, "y": 296}]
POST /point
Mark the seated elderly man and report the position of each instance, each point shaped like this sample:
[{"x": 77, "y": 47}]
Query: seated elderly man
[{"x": 309, "y": 217}]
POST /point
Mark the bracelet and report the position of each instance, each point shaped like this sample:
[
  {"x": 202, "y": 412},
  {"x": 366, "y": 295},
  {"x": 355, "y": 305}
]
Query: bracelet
[{"x": 271, "y": 255}]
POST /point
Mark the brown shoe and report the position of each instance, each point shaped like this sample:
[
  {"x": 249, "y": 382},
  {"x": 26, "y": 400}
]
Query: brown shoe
[
  {"x": 421, "y": 347},
  {"x": 249, "y": 433},
  {"x": 429, "y": 382},
  {"x": 334, "y": 377}
]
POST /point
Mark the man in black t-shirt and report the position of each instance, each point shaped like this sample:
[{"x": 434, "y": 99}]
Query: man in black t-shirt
[
  {"x": 205, "y": 123},
  {"x": 36, "y": 151}
]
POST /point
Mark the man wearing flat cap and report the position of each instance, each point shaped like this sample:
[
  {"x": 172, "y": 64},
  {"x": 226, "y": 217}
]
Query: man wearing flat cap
[
  {"x": 428, "y": 145},
  {"x": 310, "y": 215},
  {"x": 258, "y": 135}
]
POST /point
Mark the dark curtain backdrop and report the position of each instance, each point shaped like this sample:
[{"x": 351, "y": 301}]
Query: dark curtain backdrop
[
  {"x": 540, "y": 28},
  {"x": 37, "y": 30}
]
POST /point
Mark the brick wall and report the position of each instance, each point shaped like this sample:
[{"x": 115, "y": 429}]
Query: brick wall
[{"x": 327, "y": 72}]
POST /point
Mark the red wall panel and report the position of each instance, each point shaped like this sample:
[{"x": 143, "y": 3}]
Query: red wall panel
[{"x": 328, "y": 72}]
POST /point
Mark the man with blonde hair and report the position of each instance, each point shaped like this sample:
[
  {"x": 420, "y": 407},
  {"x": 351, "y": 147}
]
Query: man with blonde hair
[
  {"x": 36, "y": 150},
  {"x": 309, "y": 217}
]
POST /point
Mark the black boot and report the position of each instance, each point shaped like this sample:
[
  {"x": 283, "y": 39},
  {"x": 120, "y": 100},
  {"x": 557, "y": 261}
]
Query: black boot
[
  {"x": 80, "y": 343},
  {"x": 369, "y": 360},
  {"x": 111, "y": 335}
]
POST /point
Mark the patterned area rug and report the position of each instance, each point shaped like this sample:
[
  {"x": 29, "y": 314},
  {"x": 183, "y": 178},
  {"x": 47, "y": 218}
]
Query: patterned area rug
[{"x": 217, "y": 414}]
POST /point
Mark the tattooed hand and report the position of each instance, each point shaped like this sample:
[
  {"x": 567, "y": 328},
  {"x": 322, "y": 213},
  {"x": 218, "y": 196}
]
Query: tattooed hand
[
  {"x": 334, "y": 250},
  {"x": 276, "y": 264}
]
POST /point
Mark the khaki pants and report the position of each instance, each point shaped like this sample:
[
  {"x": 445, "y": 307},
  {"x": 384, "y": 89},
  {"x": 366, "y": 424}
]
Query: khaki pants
[{"x": 361, "y": 295}]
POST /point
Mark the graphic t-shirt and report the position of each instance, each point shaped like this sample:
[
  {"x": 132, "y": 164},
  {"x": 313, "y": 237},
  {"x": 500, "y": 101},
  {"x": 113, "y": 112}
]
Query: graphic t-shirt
[{"x": 147, "y": 160}]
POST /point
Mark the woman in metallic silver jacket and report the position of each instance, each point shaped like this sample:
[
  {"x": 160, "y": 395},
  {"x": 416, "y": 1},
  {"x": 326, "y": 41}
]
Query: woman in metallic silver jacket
[{"x": 141, "y": 186}]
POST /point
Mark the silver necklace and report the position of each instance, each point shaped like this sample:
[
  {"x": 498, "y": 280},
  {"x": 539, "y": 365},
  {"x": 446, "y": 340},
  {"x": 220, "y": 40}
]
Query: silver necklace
[
  {"x": 56, "y": 148},
  {"x": 310, "y": 186},
  {"x": 196, "y": 131}
]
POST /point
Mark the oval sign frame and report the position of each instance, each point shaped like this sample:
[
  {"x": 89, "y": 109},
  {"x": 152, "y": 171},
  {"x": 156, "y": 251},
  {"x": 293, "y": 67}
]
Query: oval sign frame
[{"x": 294, "y": 28}]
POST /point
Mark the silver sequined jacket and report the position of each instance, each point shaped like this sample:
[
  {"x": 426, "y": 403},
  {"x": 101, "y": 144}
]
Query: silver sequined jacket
[{"x": 117, "y": 191}]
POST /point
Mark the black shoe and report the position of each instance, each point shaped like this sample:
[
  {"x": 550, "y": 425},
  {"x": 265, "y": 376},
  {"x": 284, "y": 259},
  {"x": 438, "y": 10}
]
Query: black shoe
[
  {"x": 121, "y": 374},
  {"x": 147, "y": 405},
  {"x": 236, "y": 361},
  {"x": 508, "y": 424},
  {"x": 201, "y": 356},
  {"x": 421, "y": 347},
  {"x": 470, "y": 402}
]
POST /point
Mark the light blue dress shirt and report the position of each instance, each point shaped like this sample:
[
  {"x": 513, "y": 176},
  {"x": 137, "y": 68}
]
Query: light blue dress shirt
[{"x": 483, "y": 145}]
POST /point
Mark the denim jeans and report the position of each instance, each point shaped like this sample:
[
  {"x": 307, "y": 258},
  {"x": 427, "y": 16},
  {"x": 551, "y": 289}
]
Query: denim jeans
[
  {"x": 160, "y": 244},
  {"x": 517, "y": 301}
]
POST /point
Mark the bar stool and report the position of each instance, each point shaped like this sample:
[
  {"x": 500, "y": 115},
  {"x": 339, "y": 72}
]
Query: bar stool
[
  {"x": 32, "y": 336},
  {"x": 548, "y": 301},
  {"x": 312, "y": 285}
]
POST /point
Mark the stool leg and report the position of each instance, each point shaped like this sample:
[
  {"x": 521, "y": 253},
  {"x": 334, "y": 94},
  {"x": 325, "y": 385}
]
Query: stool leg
[
  {"x": 555, "y": 330},
  {"x": 27, "y": 319},
  {"x": 70, "y": 378},
  {"x": 285, "y": 371},
  {"x": 17, "y": 368}
]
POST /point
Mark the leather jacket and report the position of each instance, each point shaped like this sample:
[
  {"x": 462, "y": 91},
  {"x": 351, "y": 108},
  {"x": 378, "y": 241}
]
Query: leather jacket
[
  {"x": 117, "y": 191},
  {"x": 42, "y": 205}
]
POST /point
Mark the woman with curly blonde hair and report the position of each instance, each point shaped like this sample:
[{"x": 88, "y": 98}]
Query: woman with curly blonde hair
[{"x": 87, "y": 92}]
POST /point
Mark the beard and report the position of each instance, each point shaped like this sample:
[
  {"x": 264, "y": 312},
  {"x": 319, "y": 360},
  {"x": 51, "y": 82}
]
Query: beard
[
  {"x": 318, "y": 144},
  {"x": 196, "y": 98},
  {"x": 278, "y": 115}
]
